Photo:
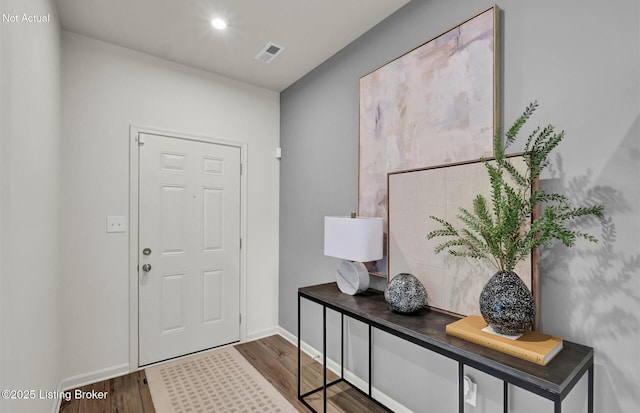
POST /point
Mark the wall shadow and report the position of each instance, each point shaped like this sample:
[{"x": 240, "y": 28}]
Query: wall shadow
[{"x": 593, "y": 290}]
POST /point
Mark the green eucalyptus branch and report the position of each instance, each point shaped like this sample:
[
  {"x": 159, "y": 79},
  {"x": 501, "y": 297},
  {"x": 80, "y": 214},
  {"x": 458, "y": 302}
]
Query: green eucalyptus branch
[{"x": 504, "y": 233}]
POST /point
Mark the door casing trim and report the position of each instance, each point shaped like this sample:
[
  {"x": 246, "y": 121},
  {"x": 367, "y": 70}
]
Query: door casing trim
[{"x": 134, "y": 172}]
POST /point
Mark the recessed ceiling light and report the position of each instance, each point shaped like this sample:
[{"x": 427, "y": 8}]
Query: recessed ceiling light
[{"x": 219, "y": 24}]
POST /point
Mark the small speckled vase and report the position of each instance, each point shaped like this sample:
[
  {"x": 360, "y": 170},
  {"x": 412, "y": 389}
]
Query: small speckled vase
[
  {"x": 507, "y": 304},
  {"x": 405, "y": 294}
]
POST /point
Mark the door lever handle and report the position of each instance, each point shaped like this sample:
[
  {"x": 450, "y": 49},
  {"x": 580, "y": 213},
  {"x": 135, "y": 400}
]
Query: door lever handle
[{"x": 146, "y": 267}]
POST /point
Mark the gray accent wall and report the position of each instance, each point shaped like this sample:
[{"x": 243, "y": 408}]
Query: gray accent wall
[{"x": 581, "y": 61}]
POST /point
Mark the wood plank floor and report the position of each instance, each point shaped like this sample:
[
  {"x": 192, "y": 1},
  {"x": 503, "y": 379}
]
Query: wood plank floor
[
  {"x": 277, "y": 360},
  {"x": 274, "y": 357},
  {"x": 128, "y": 393}
]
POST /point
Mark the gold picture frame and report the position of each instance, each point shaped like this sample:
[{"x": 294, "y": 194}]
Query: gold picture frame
[{"x": 435, "y": 104}]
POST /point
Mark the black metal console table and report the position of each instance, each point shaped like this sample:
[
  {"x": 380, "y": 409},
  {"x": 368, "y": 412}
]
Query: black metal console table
[{"x": 427, "y": 329}]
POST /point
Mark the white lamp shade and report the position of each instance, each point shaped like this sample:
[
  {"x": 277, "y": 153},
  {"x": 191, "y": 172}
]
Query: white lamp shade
[{"x": 355, "y": 239}]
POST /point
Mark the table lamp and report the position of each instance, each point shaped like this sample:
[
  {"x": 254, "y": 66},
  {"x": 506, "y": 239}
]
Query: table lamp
[{"x": 354, "y": 240}]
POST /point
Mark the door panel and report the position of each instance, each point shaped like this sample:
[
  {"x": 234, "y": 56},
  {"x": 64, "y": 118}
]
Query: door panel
[
  {"x": 189, "y": 217},
  {"x": 172, "y": 303},
  {"x": 213, "y": 229},
  {"x": 212, "y": 295},
  {"x": 173, "y": 208}
]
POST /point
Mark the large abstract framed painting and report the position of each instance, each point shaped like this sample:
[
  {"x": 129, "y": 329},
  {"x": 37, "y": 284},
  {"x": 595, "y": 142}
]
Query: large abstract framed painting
[
  {"x": 453, "y": 284},
  {"x": 436, "y": 104}
]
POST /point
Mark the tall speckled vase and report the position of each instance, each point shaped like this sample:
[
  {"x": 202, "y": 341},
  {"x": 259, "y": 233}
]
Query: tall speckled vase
[{"x": 506, "y": 304}]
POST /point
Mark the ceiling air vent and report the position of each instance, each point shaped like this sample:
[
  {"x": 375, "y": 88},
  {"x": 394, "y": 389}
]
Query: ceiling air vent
[{"x": 269, "y": 52}]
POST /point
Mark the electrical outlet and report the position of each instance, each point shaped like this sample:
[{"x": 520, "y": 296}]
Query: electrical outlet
[
  {"x": 116, "y": 224},
  {"x": 470, "y": 391}
]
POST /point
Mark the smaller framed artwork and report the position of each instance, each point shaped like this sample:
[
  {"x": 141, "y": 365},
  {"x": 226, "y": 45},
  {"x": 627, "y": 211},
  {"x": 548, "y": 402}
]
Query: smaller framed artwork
[{"x": 453, "y": 283}]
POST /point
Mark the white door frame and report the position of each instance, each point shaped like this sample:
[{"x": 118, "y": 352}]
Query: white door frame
[{"x": 134, "y": 172}]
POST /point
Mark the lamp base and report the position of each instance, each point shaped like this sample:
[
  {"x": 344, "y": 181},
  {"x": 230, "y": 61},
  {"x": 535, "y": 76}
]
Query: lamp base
[{"x": 353, "y": 277}]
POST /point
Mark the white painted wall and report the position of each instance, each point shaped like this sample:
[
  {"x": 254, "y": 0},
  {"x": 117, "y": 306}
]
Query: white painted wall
[
  {"x": 105, "y": 89},
  {"x": 29, "y": 205}
]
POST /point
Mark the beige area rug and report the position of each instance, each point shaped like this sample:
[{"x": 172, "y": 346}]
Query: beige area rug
[{"x": 215, "y": 381}]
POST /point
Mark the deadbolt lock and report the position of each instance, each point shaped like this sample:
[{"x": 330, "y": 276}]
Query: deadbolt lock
[{"x": 146, "y": 251}]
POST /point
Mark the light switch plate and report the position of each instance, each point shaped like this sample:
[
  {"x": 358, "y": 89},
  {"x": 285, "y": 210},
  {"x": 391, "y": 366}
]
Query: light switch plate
[{"x": 116, "y": 224}]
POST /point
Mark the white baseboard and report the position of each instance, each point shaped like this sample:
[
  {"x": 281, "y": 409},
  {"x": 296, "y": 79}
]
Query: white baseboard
[
  {"x": 94, "y": 376},
  {"x": 350, "y": 376},
  {"x": 256, "y": 335},
  {"x": 55, "y": 408},
  {"x": 119, "y": 370},
  {"x": 88, "y": 378},
  {"x": 292, "y": 338}
]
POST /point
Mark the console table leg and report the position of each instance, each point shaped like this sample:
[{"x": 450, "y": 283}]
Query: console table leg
[
  {"x": 341, "y": 345},
  {"x": 590, "y": 390},
  {"x": 557, "y": 406},
  {"x": 370, "y": 363},
  {"x": 505, "y": 397},
  {"x": 460, "y": 387},
  {"x": 324, "y": 358},
  {"x": 299, "y": 367}
]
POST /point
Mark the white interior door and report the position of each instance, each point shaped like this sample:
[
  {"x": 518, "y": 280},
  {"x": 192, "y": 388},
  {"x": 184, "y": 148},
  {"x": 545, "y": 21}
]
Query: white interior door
[{"x": 189, "y": 241}]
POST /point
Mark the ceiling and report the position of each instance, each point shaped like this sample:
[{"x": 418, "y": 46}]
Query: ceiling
[{"x": 311, "y": 31}]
